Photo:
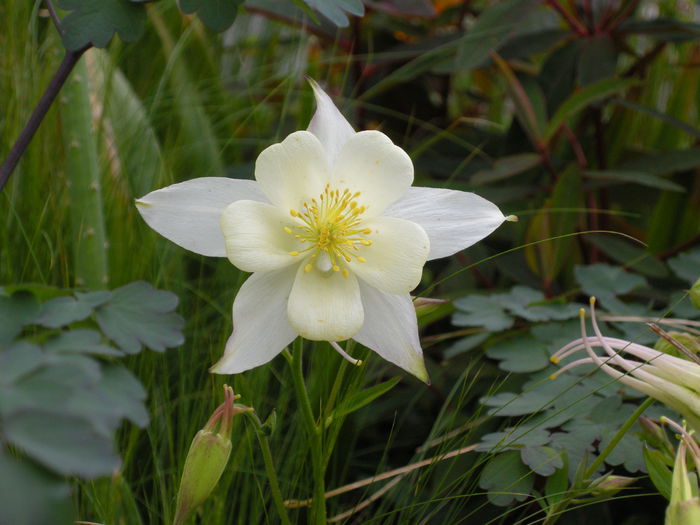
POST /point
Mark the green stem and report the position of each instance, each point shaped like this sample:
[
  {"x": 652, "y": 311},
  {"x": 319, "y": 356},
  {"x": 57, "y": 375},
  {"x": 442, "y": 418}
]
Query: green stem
[
  {"x": 318, "y": 508},
  {"x": 556, "y": 511},
  {"x": 618, "y": 436},
  {"x": 269, "y": 467}
]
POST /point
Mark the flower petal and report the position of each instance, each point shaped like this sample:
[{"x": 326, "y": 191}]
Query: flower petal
[
  {"x": 328, "y": 124},
  {"x": 189, "y": 213},
  {"x": 453, "y": 220},
  {"x": 260, "y": 326},
  {"x": 325, "y": 306},
  {"x": 395, "y": 259},
  {"x": 255, "y": 238},
  {"x": 293, "y": 171},
  {"x": 391, "y": 330},
  {"x": 371, "y": 164}
]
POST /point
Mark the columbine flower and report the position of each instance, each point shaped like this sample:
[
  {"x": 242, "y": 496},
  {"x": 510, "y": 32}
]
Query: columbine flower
[
  {"x": 334, "y": 234},
  {"x": 671, "y": 380}
]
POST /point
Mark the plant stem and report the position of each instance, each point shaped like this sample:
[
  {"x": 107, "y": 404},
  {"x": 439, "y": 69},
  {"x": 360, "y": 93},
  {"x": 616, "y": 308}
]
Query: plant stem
[
  {"x": 618, "y": 436},
  {"x": 555, "y": 512},
  {"x": 318, "y": 509},
  {"x": 269, "y": 466},
  {"x": 59, "y": 78}
]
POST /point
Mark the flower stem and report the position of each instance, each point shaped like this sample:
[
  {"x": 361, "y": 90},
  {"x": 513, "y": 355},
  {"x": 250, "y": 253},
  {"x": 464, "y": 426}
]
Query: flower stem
[
  {"x": 555, "y": 512},
  {"x": 314, "y": 429},
  {"x": 618, "y": 436},
  {"x": 269, "y": 466}
]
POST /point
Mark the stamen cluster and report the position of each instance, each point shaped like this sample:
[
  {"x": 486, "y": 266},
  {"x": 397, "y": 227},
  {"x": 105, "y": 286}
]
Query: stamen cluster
[{"x": 332, "y": 227}]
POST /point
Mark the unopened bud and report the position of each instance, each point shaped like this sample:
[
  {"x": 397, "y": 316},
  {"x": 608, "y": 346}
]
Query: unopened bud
[
  {"x": 689, "y": 341},
  {"x": 427, "y": 305},
  {"x": 684, "y": 507},
  {"x": 206, "y": 459},
  {"x": 694, "y": 293},
  {"x": 608, "y": 486},
  {"x": 654, "y": 434}
]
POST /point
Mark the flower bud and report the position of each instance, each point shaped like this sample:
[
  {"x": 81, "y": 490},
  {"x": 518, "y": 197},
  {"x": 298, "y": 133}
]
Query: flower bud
[
  {"x": 608, "y": 486},
  {"x": 694, "y": 293},
  {"x": 206, "y": 459},
  {"x": 684, "y": 507}
]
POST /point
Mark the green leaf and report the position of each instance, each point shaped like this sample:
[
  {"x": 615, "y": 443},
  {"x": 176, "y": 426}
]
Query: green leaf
[
  {"x": 542, "y": 460},
  {"x": 598, "y": 59},
  {"x": 17, "y": 311},
  {"x": 605, "y": 281},
  {"x": 631, "y": 255},
  {"x": 30, "y": 495},
  {"x": 465, "y": 345},
  {"x": 94, "y": 22},
  {"x": 508, "y": 404},
  {"x": 137, "y": 315},
  {"x": 519, "y": 354},
  {"x": 334, "y": 10},
  {"x": 687, "y": 265},
  {"x": 659, "y": 472},
  {"x": 668, "y": 119},
  {"x": 363, "y": 398},
  {"x": 557, "y": 484},
  {"x": 20, "y": 359},
  {"x": 635, "y": 177},
  {"x": 217, "y": 15},
  {"x": 478, "y": 310},
  {"x": 506, "y": 479},
  {"x": 63, "y": 311},
  {"x": 514, "y": 437},
  {"x": 663, "y": 163},
  {"x": 530, "y": 304},
  {"x": 583, "y": 98},
  {"x": 65, "y": 444},
  {"x": 506, "y": 167},
  {"x": 81, "y": 341}
]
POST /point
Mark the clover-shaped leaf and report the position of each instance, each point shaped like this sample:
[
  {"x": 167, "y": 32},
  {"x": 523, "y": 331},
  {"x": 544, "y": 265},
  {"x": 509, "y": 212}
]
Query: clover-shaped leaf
[
  {"x": 335, "y": 10},
  {"x": 137, "y": 315},
  {"x": 506, "y": 478},
  {"x": 16, "y": 311},
  {"x": 519, "y": 354},
  {"x": 687, "y": 265},
  {"x": 217, "y": 15},
  {"x": 543, "y": 460},
  {"x": 479, "y": 310},
  {"x": 94, "y": 22}
]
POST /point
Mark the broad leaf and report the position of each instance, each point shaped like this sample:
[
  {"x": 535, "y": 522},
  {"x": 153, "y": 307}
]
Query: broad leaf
[
  {"x": 16, "y": 311},
  {"x": 687, "y": 265},
  {"x": 334, "y": 10},
  {"x": 519, "y": 354},
  {"x": 479, "y": 310},
  {"x": 137, "y": 315},
  {"x": 65, "y": 444},
  {"x": 635, "y": 177},
  {"x": 506, "y": 479},
  {"x": 217, "y": 15},
  {"x": 94, "y": 22},
  {"x": 542, "y": 460}
]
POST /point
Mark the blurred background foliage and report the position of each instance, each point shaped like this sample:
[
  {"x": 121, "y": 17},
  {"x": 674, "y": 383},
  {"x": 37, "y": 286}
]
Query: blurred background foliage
[{"x": 579, "y": 116}]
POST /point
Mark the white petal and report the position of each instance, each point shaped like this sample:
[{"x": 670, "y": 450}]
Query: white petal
[
  {"x": 394, "y": 261},
  {"x": 453, "y": 220},
  {"x": 255, "y": 238},
  {"x": 293, "y": 171},
  {"x": 391, "y": 330},
  {"x": 325, "y": 306},
  {"x": 260, "y": 326},
  {"x": 371, "y": 164},
  {"x": 329, "y": 124},
  {"x": 189, "y": 213}
]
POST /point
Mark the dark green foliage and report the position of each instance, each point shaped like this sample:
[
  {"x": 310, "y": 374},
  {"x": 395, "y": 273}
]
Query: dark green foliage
[
  {"x": 95, "y": 22},
  {"x": 217, "y": 15},
  {"x": 59, "y": 404}
]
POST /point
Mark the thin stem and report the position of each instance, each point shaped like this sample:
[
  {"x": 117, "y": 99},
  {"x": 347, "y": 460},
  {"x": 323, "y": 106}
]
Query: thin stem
[
  {"x": 618, "y": 436},
  {"x": 555, "y": 512},
  {"x": 54, "y": 16},
  {"x": 59, "y": 78},
  {"x": 577, "y": 26},
  {"x": 269, "y": 466},
  {"x": 318, "y": 510}
]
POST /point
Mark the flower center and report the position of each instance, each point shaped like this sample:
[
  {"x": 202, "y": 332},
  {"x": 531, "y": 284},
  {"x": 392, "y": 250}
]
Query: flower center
[{"x": 331, "y": 226}]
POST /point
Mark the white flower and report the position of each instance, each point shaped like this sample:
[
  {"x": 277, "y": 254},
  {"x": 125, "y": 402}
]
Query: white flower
[
  {"x": 334, "y": 234},
  {"x": 672, "y": 380}
]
